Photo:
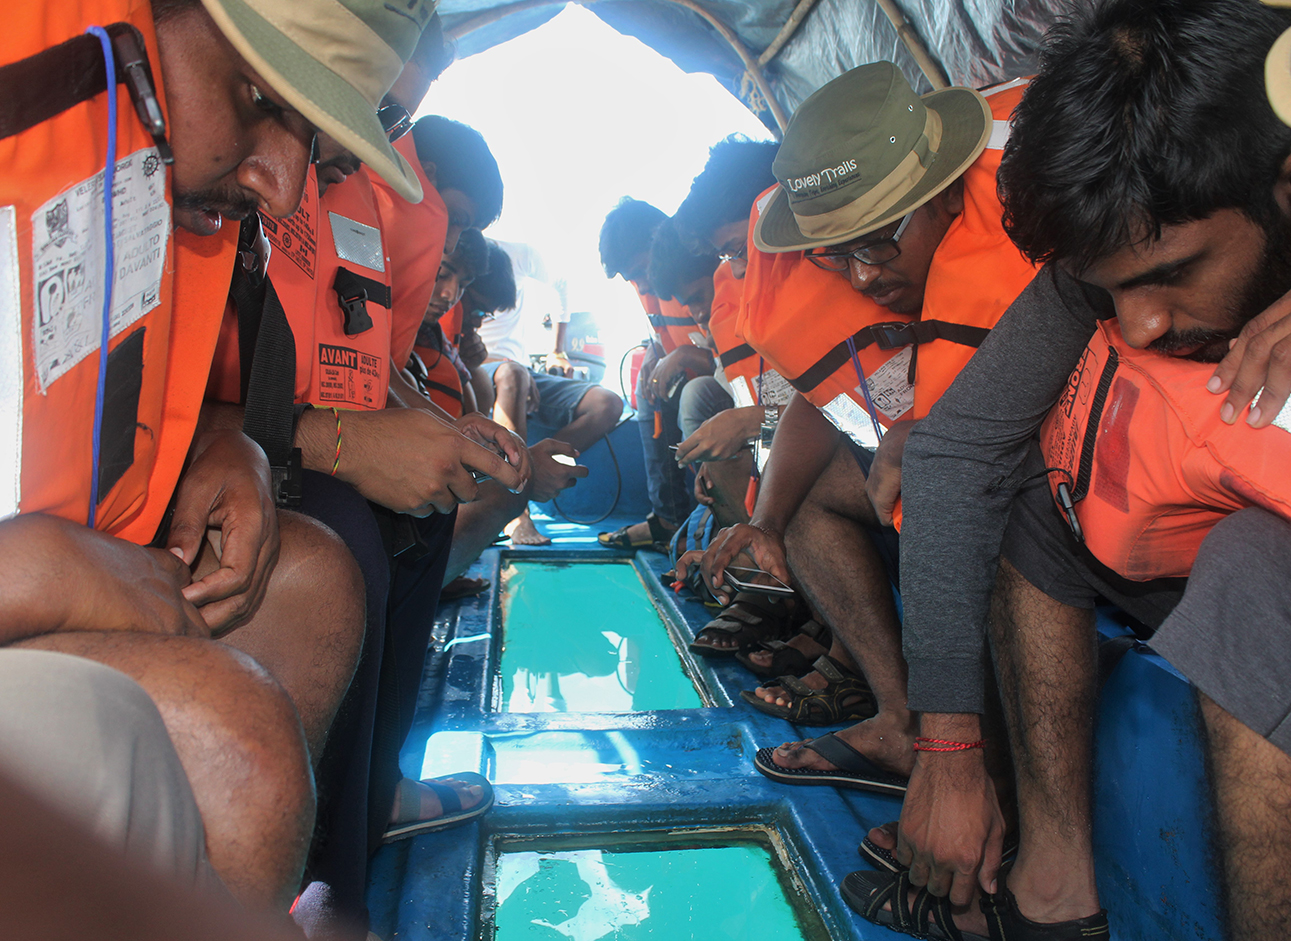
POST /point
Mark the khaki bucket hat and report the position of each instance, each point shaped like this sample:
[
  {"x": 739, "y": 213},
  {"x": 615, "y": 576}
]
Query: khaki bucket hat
[
  {"x": 863, "y": 151},
  {"x": 333, "y": 60},
  {"x": 1277, "y": 70}
]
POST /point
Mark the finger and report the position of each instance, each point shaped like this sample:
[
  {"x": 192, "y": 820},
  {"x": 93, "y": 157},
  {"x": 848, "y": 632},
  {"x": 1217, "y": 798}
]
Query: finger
[
  {"x": 963, "y": 886},
  {"x": 1261, "y": 358},
  {"x": 481, "y": 459},
  {"x": 187, "y": 526},
  {"x": 578, "y": 471},
  {"x": 992, "y": 856},
  {"x": 904, "y": 849},
  {"x": 884, "y": 836},
  {"x": 240, "y": 552}
]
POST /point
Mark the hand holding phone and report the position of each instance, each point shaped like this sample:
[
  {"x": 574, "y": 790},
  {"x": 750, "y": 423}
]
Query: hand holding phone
[{"x": 742, "y": 578}]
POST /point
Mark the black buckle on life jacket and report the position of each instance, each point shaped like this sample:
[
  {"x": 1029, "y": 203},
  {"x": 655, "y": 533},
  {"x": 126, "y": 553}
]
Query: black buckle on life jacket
[
  {"x": 288, "y": 483},
  {"x": 890, "y": 336},
  {"x": 355, "y": 308}
]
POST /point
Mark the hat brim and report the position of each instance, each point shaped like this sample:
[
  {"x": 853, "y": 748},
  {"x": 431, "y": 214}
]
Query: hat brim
[
  {"x": 1277, "y": 77},
  {"x": 330, "y": 103},
  {"x": 966, "y": 123}
]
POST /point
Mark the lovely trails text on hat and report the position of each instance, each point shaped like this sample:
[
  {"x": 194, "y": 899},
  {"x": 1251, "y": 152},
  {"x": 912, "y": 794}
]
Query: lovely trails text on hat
[{"x": 822, "y": 181}]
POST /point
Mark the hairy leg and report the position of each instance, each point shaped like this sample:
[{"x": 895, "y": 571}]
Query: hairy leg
[
  {"x": 240, "y": 742},
  {"x": 845, "y": 580},
  {"x": 308, "y": 633},
  {"x": 1046, "y": 662},
  {"x": 1251, "y": 783}
]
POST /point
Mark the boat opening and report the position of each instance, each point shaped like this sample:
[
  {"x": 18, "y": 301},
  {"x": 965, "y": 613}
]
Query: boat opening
[
  {"x": 721, "y": 885},
  {"x": 584, "y": 637}
]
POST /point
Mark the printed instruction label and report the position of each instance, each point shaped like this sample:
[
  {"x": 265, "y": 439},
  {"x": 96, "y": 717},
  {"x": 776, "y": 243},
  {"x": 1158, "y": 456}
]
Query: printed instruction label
[
  {"x": 296, "y": 236},
  {"x": 11, "y": 383},
  {"x": 890, "y": 388},
  {"x": 347, "y": 375},
  {"x": 67, "y": 255}
]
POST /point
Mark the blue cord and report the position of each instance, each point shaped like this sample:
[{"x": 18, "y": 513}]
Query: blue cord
[
  {"x": 109, "y": 180},
  {"x": 865, "y": 389}
]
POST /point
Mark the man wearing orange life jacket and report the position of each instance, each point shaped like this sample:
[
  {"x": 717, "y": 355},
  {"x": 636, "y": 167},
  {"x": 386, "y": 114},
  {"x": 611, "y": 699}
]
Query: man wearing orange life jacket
[
  {"x": 1157, "y": 226},
  {"x": 625, "y": 251},
  {"x": 161, "y": 332},
  {"x": 893, "y": 197}
]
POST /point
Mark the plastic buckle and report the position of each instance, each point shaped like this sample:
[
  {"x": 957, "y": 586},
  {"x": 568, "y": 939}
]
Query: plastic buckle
[
  {"x": 1069, "y": 511},
  {"x": 287, "y": 483},
  {"x": 889, "y": 336},
  {"x": 357, "y": 318},
  {"x": 134, "y": 67}
]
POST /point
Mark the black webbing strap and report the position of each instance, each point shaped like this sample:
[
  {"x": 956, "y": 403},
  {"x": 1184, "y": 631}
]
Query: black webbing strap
[
  {"x": 43, "y": 86},
  {"x": 352, "y": 293},
  {"x": 888, "y": 336},
  {"x": 269, "y": 371},
  {"x": 454, "y": 394},
  {"x": 734, "y": 355},
  {"x": 659, "y": 321},
  {"x": 1081, "y": 486}
]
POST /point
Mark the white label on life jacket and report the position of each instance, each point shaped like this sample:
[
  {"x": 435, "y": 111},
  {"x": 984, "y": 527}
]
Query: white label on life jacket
[
  {"x": 775, "y": 390},
  {"x": 10, "y": 366},
  {"x": 852, "y": 420},
  {"x": 890, "y": 387},
  {"x": 68, "y": 254},
  {"x": 1283, "y": 418},
  {"x": 741, "y": 393},
  {"x": 357, "y": 242}
]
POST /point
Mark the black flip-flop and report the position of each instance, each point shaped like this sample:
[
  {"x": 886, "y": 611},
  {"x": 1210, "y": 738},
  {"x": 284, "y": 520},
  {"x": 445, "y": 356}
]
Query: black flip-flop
[
  {"x": 866, "y": 892},
  {"x": 880, "y": 858},
  {"x": 853, "y": 769},
  {"x": 453, "y": 814}
]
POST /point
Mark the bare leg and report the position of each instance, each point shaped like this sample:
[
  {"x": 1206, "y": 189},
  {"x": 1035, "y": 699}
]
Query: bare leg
[
  {"x": 309, "y": 631},
  {"x": 510, "y": 407},
  {"x": 478, "y": 524},
  {"x": 847, "y": 583},
  {"x": 595, "y": 416},
  {"x": 1251, "y": 783},
  {"x": 240, "y": 742},
  {"x": 1046, "y": 661},
  {"x": 730, "y": 481}
]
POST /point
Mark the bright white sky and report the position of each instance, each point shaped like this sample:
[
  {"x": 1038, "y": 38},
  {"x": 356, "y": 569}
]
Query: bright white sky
[{"x": 579, "y": 115}]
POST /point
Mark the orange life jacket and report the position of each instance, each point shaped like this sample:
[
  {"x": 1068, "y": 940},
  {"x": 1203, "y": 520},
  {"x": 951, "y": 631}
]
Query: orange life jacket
[
  {"x": 451, "y": 323},
  {"x": 671, "y": 321},
  {"x": 330, "y": 270},
  {"x": 166, "y": 298},
  {"x": 798, "y": 318},
  {"x": 1138, "y": 445},
  {"x": 752, "y": 381},
  {"x": 976, "y": 272},
  {"x": 415, "y": 234},
  {"x": 439, "y": 375}
]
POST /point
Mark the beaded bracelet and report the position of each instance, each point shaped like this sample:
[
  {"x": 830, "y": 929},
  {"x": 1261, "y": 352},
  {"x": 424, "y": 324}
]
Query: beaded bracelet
[
  {"x": 337, "y": 462},
  {"x": 937, "y": 744}
]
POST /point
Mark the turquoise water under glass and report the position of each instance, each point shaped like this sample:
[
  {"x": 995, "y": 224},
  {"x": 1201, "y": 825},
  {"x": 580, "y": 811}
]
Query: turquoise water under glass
[
  {"x": 584, "y": 637},
  {"x": 706, "y": 893}
]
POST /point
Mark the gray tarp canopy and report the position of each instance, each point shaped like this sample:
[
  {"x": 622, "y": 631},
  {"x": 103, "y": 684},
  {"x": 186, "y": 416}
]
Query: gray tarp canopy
[{"x": 974, "y": 42}]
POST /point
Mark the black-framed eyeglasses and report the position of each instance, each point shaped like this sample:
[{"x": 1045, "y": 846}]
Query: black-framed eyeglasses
[
  {"x": 395, "y": 121},
  {"x": 729, "y": 254},
  {"x": 875, "y": 253}
]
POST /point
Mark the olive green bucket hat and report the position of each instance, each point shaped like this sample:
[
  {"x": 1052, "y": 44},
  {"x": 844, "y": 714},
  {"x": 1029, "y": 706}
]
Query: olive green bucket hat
[
  {"x": 863, "y": 151},
  {"x": 1277, "y": 70},
  {"x": 333, "y": 60}
]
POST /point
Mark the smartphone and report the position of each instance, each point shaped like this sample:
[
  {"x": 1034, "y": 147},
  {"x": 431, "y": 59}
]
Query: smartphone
[
  {"x": 478, "y": 476},
  {"x": 741, "y": 578},
  {"x": 564, "y": 459}
]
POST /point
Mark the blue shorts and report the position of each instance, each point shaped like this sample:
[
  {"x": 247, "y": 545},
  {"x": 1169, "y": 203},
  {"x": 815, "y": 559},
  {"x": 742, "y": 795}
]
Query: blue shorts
[{"x": 558, "y": 397}]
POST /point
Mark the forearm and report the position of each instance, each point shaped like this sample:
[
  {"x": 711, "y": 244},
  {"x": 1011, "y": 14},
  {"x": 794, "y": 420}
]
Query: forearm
[
  {"x": 804, "y": 445},
  {"x": 558, "y": 341},
  {"x": 960, "y": 472}
]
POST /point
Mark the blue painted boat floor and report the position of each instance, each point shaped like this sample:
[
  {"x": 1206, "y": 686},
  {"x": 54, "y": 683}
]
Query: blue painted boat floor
[{"x": 687, "y": 770}]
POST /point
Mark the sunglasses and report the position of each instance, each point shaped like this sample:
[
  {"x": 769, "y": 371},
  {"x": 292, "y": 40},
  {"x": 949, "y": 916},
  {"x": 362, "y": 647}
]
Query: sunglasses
[
  {"x": 878, "y": 252},
  {"x": 395, "y": 121}
]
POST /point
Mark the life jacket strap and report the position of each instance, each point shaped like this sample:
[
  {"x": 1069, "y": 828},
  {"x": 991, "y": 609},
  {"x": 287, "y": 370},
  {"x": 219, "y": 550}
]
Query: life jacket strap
[
  {"x": 353, "y": 291},
  {"x": 888, "y": 336},
  {"x": 734, "y": 355},
  {"x": 44, "y": 85}
]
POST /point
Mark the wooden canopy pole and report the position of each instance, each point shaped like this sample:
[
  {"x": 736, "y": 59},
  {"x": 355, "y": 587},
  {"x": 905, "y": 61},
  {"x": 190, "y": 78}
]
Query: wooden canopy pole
[
  {"x": 786, "y": 32},
  {"x": 912, "y": 42}
]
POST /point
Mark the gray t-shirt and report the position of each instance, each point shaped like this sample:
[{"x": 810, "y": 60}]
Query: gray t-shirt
[{"x": 960, "y": 472}]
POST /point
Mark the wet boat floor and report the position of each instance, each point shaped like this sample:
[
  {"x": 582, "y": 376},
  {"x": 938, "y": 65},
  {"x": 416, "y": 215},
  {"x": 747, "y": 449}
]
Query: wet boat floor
[{"x": 603, "y": 783}]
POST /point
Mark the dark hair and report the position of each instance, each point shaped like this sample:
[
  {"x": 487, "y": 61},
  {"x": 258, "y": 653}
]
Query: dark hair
[
  {"x": 673, "y": 265},
  {"x": 1145, "y": 113},
  {"x": 626, "y": 233},
  {"x": 496, "y": 290},
  {"x": 471, "y": 255},
  {"x": 463, "y": 162},
  {"x": 737, "y": 171}
]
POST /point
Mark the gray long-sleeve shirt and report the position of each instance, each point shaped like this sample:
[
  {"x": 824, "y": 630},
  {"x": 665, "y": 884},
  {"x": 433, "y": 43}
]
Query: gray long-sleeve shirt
[{"x": 959, "y": 474}]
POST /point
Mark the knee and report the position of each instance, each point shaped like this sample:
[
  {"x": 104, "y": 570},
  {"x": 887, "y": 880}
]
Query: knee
[
  {"x": 603, "y": 404},
  {"x": 509, "y": 377},
  {"x": 320, "y": 574}
]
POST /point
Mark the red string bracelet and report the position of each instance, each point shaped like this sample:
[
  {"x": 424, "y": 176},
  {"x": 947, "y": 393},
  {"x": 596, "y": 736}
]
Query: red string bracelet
[{"x": 938, "y": 744}]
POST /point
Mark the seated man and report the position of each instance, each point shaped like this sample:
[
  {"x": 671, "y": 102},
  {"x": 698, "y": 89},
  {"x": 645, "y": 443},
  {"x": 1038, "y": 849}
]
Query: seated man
[
  {"x": 1149, "y": 481},
  {"x": 625, "y": 252},
  {"x": 938, "y": 253},
  {"x": 170, "y": 534},
  {"x": 716, "y": 214},
  {"x": 581, "y": 412}
]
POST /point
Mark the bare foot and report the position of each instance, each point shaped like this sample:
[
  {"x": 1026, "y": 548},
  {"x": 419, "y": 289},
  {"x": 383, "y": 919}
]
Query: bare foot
[
  {"x": 780, "y": 696},
  {"x": 879, "y": 739},
  {"x": 803, "y": 643},
  {"x": 468, "y": 794},
  {"x": 524, "y": 533}
]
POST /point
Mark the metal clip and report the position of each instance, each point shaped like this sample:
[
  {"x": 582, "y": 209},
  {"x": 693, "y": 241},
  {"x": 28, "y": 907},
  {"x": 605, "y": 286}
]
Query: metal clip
[
  {"x": 133, "y": 66},
  {"x": 1069, "y": 511},
  {"x": 889, "y": 336}
]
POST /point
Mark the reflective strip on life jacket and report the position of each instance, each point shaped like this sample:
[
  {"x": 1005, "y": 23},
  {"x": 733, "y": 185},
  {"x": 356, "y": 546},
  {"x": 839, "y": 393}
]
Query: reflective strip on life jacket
[
  {"x": 1150, "y": 467},
  {"x": 414, "y": 236},
  {"x": 51, "y": 194}
]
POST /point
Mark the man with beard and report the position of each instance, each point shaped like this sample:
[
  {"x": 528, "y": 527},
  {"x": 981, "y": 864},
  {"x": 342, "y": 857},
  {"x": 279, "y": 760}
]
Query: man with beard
[{"x": 1160, "y": 243}]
